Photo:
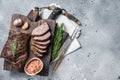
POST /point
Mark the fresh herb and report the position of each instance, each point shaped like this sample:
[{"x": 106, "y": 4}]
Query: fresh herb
[
  {"x": 14, "y": 47},
  {"x": 57, "y": 40}
]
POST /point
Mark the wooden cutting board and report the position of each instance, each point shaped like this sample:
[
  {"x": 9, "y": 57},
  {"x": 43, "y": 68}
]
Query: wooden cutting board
[{"x": 34, "y": 19}]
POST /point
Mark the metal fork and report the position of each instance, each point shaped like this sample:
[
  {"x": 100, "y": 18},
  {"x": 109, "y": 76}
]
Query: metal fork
[{"x": 64, "y": 48}]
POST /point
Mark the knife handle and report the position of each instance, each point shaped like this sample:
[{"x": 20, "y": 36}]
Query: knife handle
[{"x": 59, "y": 61}]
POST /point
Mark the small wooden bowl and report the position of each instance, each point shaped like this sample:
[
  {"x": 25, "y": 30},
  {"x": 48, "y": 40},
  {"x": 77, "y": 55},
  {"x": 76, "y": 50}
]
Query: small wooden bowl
[{"x": 32, "y": 59}]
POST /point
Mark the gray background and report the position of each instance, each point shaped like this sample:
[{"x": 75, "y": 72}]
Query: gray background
[{"x": 99, "y": 57}]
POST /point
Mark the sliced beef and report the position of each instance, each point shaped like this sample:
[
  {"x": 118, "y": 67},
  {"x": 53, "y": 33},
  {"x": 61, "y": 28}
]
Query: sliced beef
[
  {"x": 15, "y": 36},
  {"x": 43, "y": 37},
  {"x": 39, "y": 50},
  {"x": 20, "y": 61},
  {"x": 44, "y": 43},
  {"x": 36, "y": 53},
  {"x": 21, "y": 58},
  {"x": 40, "y": 30},
  {"x": 20, "y": 46},
  {"x": 38, "y": 46}
]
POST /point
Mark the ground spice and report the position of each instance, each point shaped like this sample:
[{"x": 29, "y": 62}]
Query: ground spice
[{"x": 34, "y": 66}]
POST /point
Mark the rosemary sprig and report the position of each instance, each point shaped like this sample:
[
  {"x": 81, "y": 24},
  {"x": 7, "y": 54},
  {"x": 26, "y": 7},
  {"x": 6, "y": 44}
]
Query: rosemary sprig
[
  {"x": 14, "y": 47},
  {"x": 57, "y": 40}
]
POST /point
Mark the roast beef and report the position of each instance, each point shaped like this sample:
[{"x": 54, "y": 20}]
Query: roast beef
[
  {"x": 39, "y": 46},
  {"x": 41, "y": 29},
  {"x": 44, "y": 43},
  {"x": 36, "y": 53},
  {"x": 39, "y": 50},
  {"x": 43, "y": 37}
]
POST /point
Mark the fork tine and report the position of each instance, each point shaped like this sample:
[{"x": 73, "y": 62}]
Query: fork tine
[{"x": 73, "y": 32}]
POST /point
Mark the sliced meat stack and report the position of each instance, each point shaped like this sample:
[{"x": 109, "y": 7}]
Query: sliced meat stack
[{"x": 40, "y": 39}]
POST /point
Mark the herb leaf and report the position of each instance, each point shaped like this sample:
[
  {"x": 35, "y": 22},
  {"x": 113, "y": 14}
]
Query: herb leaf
[
  {"x": 57, "y": 40},
  {"x": 14, "y": 47}
]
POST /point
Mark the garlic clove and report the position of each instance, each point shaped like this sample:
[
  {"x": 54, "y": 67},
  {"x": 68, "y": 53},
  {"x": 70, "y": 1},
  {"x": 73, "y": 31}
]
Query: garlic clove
[
  {"x": 17, "y": 22},
  {"x": 25, "y": 26}
]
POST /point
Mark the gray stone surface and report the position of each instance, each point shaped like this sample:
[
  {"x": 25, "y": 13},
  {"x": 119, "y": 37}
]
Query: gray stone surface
[{"x": 99, "y": 57}]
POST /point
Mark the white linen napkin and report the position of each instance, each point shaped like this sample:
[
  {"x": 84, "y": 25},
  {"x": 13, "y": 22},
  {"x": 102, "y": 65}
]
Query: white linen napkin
[{"x": 69, "y": 27}]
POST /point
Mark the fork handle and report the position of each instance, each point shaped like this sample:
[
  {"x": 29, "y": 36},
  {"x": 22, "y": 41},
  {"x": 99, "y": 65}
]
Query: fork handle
[{"x": 59, "y": 61}]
